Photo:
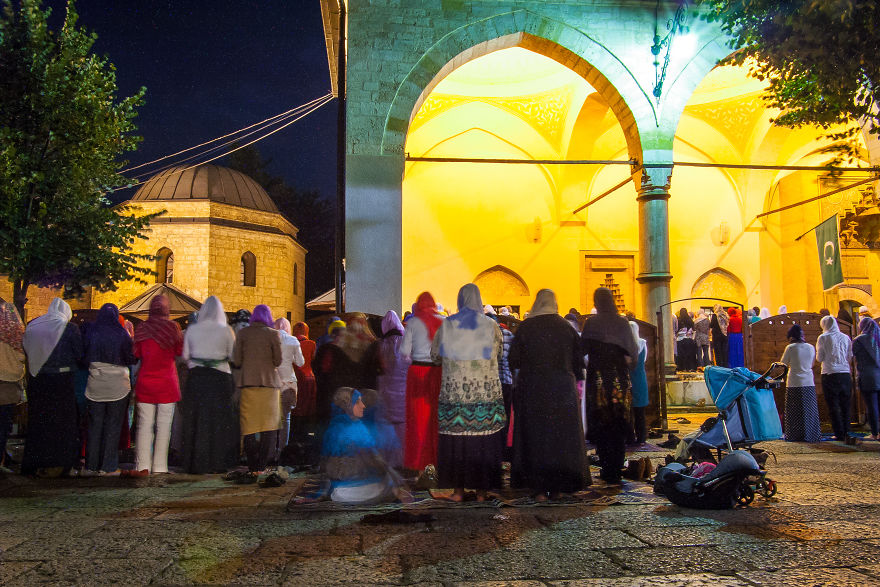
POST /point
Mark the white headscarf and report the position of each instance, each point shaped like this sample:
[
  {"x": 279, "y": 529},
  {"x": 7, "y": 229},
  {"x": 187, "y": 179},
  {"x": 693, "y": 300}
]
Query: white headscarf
[
  {"x": 488, "y": 309},
  {"x": 643, "y": 344},
  {"x": 545, "y": 303},
  {"x": 829, "y": 324},
  {"x": 211, "y": 324},
  {"x": 765, "y": 313},
  {"x": 468, "y": 335},
  {"x": 783, "y": 309},
  {"x": 43, "y": 333}
]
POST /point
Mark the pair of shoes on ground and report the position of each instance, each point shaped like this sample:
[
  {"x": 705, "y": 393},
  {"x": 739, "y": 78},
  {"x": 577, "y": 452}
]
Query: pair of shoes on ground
[{"x": 639, "y": 469}]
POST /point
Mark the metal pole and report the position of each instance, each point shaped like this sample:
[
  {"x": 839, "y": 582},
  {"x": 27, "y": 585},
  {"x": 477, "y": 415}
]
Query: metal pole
[
  {"x": 661, "y": 370},
  {"x": 819, "y": 197},
  {"x": 603, "y": 194},
  {"x": 340, "y": 164}
]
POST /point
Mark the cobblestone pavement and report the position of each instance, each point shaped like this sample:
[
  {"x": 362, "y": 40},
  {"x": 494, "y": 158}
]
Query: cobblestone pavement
[{"x": 824, "y": 529}]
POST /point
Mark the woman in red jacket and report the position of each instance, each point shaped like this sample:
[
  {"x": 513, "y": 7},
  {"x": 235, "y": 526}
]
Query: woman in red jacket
[
  {"x": 303, "y": 425},
  {"x": 157, "y": 341}
]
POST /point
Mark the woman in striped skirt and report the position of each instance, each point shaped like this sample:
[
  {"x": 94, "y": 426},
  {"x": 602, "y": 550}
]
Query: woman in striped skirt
[{"x": 801, "y": 408}]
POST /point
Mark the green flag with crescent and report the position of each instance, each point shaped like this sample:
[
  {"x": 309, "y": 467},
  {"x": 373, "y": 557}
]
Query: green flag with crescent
[{"x": 829, "y": 253}]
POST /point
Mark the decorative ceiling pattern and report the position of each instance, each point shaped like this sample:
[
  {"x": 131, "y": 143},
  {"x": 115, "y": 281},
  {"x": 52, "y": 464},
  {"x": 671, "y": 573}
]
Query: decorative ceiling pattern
[
  {"x": 546, "y": 112},
  {"x": 736, "y": 118}
]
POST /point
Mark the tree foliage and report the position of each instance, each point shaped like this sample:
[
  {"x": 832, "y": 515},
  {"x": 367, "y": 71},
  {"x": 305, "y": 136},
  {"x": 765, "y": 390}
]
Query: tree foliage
[
  {"x": 820, "y": 58},
  {"x": 62, "y": 131},
  {"x": 307, "y": 210}
]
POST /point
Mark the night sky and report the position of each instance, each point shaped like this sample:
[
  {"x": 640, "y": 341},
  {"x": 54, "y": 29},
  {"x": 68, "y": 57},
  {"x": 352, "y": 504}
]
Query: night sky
[{"x": 213, "y": 66}]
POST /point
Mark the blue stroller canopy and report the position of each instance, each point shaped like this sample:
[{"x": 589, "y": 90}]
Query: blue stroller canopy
[{"x": 751, "y": 412}]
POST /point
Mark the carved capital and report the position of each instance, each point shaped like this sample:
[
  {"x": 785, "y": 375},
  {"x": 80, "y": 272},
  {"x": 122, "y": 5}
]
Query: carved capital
[{"x": 655, "y": 183}]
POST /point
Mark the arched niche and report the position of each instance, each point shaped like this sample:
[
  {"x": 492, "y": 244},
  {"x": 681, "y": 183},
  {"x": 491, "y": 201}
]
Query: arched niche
[
  {"x": 719, "y": 283},
  {"x": 249, "y": 269},
  {"x": 502, "y": 286},
  {"x": 164, "y": 265}
]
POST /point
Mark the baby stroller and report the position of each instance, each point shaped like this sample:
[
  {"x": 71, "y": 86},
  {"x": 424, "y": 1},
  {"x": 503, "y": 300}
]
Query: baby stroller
[{"x": 746, "y": 415}]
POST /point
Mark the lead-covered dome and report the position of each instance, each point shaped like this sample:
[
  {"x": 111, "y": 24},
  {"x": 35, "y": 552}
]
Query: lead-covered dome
[{"x": 206, "y": 182}]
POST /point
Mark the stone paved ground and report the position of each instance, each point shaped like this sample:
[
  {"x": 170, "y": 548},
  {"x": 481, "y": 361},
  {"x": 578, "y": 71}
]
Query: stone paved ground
[{"x": 176, "y": 529}]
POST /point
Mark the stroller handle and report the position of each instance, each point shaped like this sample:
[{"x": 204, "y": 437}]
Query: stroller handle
[{"x": 773, "y": 377}]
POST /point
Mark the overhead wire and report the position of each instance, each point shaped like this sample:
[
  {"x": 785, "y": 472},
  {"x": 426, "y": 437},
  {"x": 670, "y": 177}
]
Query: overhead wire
[
  {"x": 292, "y": 111},
  {"x": 302, "y": 111}
]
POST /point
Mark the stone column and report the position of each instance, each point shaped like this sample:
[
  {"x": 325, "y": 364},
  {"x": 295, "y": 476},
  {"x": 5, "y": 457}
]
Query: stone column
[
  {"x": 373, "y": 233},
  {"x": 654, "y": 275}
]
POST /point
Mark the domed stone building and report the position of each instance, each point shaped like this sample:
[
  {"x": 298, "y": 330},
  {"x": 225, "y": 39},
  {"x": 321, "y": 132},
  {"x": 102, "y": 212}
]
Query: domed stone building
[{"x": 221, "y": 234}]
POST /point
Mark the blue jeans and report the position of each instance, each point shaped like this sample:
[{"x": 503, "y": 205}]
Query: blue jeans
[
  {"x": 105, "y": 426},
  {"x": 870, "y": 397},
  {"x": 837, "y": 389}
]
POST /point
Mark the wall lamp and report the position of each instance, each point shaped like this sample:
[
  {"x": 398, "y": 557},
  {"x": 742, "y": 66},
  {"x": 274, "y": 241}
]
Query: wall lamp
[{"x": 674, "y": 26}]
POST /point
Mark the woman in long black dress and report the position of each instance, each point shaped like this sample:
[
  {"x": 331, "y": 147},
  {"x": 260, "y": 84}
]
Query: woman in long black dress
[
  {"x": 608, "y": 340},
  {"x": 718, "y": 325},
  {"x": 54, "y": 348},
  {"x": 210, "y": 422},
  {"x": 548, "y": 437}
]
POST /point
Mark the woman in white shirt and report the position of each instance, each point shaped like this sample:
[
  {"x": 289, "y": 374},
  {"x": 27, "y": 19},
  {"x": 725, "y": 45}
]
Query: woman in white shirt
[
  {"x": 291, "y": 354},
  {"x": 422, "y": 385},
  {"x": 801, "y": 408},
  {"x": 210, "y": 423}
]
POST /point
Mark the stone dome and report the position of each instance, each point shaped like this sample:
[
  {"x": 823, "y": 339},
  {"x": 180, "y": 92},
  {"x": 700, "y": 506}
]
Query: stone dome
[{"x": 206, "y": 182}]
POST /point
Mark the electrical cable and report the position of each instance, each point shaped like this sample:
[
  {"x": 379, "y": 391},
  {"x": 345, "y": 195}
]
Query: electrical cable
[
  {"x": 323, "y": 101},
  {"x": 292, "y": 110}
]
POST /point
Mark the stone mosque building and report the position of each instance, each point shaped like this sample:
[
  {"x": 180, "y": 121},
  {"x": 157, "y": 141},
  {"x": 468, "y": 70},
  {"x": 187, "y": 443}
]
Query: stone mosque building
[
  {"x": 221, "y": 234},
  {"x": 541, "y": 82}
]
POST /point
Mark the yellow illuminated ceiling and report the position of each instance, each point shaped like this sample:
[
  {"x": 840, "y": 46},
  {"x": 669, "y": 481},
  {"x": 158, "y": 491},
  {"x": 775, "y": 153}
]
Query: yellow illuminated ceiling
[{"x": 529, "y": 87}]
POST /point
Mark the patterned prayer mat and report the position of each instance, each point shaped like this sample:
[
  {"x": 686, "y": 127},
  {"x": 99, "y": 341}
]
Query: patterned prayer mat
[{"x": 310, "y": 497}]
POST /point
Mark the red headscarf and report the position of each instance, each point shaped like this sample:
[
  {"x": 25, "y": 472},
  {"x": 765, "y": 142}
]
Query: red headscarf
[
  {"x": 426, "y": 311},
  {"x": 736, "y": 324},
  {"x": 301, "y": 329},
  {"x": 158, "y": 326}
]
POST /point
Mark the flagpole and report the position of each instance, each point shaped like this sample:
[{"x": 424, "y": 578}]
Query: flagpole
[{"x": 815, "y": 227}]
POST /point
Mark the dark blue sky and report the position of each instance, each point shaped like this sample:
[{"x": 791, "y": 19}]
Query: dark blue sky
[{"x": 213, "y": 66}]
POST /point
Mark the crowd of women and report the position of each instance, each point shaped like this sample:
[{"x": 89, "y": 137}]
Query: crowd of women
[
  {"x": 461, "y": 392},
  {"x": 719, "y": 330}
]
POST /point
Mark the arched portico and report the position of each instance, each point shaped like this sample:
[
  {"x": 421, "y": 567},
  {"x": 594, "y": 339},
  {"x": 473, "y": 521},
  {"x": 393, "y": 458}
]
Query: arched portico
[{"x": 374, "y": 207}]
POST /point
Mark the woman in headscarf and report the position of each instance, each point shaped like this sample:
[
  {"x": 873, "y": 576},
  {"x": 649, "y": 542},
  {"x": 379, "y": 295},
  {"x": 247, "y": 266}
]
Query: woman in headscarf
[
  {"x": 718, "y": 324},
  {"x": 349, "y": 359},
  {"x": 783, "y": 309},
  {"x": 355, "y": 470},
  {"x": 108, "y": 355},
  {"x": 422, "y": 384},
  {"x": 844, "y": 312},
  {"x": 834, "y": 351},
  {"x": 392, "y": 382},
  {"x": 755, "y": 314},
  {"x": 702, "y": 327},
  {"x": 303, "y": 423},
  {"x": 801, "y": 413},
  {"x": 257, "y": 352},
  {"x": 157, "y": 341},
  {"x": 291, "y": 356},
  {"x": 549, "y": 454},
  {"x": 470, "y": 409},
  {"x": 608, "y": 340},
  {"x": 685, "y": 345},
  {"x": 11, "y": 371},
  {"x": 209, "y": 420},
  {"x": 54, "y": 348},
  {"x": 639, "y": 380},
  {"x": 866, "y": 350},
  {"x": 765, "y": 313},
  {"x": 735, "y": 356}
]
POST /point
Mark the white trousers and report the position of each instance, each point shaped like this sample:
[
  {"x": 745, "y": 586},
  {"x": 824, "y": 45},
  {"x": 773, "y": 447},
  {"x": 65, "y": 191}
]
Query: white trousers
[{"x": 152, "y": 445}]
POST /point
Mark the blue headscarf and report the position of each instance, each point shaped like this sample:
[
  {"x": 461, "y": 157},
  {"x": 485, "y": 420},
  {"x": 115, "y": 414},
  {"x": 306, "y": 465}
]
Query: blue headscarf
[
  {"x": 869, "y": 327},
  {"x": 106, "y": 339}
]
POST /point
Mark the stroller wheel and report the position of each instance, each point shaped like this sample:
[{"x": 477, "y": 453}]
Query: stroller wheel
[
  {"x": 768, "y": 488},
  {"x": 745, "y": 495}
]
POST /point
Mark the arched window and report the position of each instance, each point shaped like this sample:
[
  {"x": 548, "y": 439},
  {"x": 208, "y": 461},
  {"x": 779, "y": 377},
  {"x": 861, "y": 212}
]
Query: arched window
[
  {"x": 249, "y": 269},
  {"x": 295, "y": 279},
  {"x": 165, "y": 266}
]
